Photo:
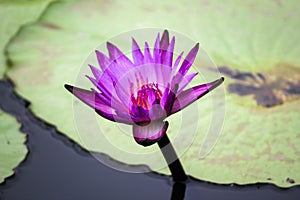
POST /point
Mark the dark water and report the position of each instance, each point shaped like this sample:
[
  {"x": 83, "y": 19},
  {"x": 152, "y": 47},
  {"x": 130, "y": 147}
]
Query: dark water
[{"x": 59, "y": 169}]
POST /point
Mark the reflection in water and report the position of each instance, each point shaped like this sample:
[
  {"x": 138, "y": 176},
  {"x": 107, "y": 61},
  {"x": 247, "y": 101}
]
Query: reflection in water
[{"x": 178, "y": 191}]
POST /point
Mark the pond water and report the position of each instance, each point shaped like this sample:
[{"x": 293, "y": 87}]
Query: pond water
[{"x": 57, "y": 168}]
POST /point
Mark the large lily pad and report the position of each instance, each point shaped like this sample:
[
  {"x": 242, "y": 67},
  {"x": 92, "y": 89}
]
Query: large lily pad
[
  {"x": 14, "y": 14},
  {"x": 12, "y": 147},
  {"x": 258, "y": 144}
]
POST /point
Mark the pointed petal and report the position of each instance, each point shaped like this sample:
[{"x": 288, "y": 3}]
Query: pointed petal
[
  {"x": 187, "y": 97},
  {"x": 168, "y": 56},
  {"x": 123, "y": 89},
  {"x": 109, "y": 67},
  {"x": 164, "y": 42},
  {"x": 103, "y": 98},
  {"x": 164, "y": 97},
  {"x": 147, "y": 54},
  {"x": 137, "y": 53},
  {"x": 149, "y": 134},
  {"x": 177, "y": 61},
  {"x": 93, "y": 100},
  {"x": 103, "y": 60},
  {"x": 88, "y": 97},
  {"x": 107, "y": 80},
  {"x": 101, "y": 80},
  {"x": 96, "y": 72},
  {"x": 117, "y": 55},
  {"x": 98, "y": 84},
  {"x": 171, "y": 98},
  {"x": 156, "y": 50},
  {"x": 110, "y": 99},
  {"x": 186, "y": 80},
  {"x": 189, "y": 59}
]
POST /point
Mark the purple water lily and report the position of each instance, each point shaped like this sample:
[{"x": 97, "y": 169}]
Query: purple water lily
[{"x": 143, "y": 91}]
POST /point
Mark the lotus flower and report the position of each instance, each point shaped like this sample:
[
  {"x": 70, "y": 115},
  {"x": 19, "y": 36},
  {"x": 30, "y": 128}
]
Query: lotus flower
[{"x": 144, "y": 90}]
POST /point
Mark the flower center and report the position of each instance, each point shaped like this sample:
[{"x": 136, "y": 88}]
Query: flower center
[{"x": 147, "y": 95}]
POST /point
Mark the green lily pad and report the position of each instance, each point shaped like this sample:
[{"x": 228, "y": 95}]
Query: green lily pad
[
  {"x": 12, "y": 147},
  {"x": 13, "y": 15},
  {"x": 258, "y": 144}
]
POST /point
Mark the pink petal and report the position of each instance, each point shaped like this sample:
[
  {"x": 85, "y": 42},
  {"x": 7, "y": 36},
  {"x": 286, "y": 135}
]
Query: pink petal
[
  {"x": 164, "y": 43},
  {"x": 157, "y": 112},
  {"x": 164, "y": 97},
  {"x": 96, "y": 72},
  {"x": 187, "y": 97},
  {"x": 102, "y": 97},
  {"x": 189, "y": 59},
  {"x": 168, "y": 56},
  {"x": 107, "y": 80},
  {"x": 117, "y": 55},
  {"x": 137, "y": 53},
  {"x": 93, "y": 100},
  {"x": 186, "y": 80},
  {"x": 177, "y": 61},
  {"x": 108, "y": 67},
  {"x": 147, "y": 54},
  {"x": 103, "y": 60},
  {"x": 112, "y": 102},
  {"x": 103, "y": 81},
  {"x": 100, "y": 86},
  {"x": 156, "y": 50},
  {"x": 171, "y": 98},
  {"x": 147, "y": 135}
]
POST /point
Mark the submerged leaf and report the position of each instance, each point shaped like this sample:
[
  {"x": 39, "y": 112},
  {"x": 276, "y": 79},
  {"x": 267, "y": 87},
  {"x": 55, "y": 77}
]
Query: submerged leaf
[{"x": 12, "y": 147}]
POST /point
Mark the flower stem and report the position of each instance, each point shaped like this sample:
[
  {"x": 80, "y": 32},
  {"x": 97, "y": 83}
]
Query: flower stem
[
  {"x": 172, "y": 159},
  {"x": 178, "y": 191}
]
